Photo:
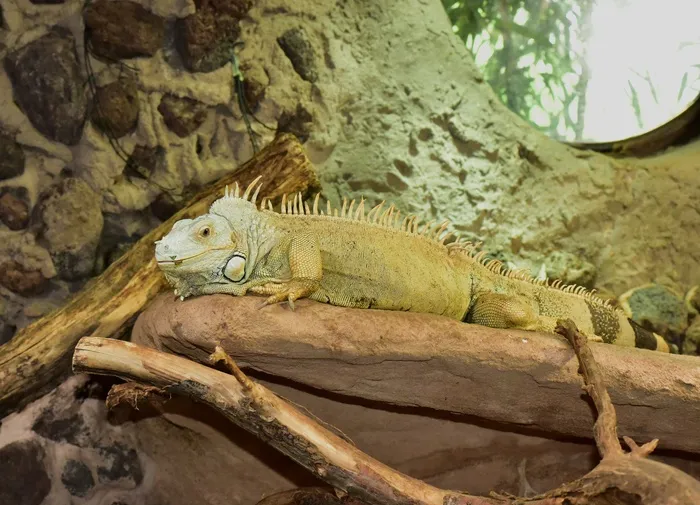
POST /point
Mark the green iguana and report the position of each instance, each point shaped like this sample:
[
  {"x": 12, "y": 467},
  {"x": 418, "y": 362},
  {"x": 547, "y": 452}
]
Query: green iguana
[{"x": 373, "y": 259}]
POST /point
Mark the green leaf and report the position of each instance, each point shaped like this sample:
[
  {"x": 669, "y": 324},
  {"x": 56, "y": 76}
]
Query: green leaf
[{"x": 684, "y": 83}]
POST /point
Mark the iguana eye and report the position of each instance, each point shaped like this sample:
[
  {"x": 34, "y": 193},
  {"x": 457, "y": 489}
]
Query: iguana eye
[{"x": 205, "y": 231}]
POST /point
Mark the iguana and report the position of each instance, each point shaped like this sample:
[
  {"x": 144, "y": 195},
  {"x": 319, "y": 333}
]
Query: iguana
[{"x": 373, "y": 259}]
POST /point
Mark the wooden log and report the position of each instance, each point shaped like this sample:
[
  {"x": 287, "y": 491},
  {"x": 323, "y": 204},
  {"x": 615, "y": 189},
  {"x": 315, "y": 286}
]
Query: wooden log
[
  {"x": 523, "y": 378},
  {"x": 38, "y": 357}
]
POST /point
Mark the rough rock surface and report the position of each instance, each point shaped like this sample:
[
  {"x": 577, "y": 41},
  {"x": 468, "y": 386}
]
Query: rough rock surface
[
  {"x": 691, "y": 341},
  {"x": 72, "y": 224},
  {"x": 77, "y": 478},
  {"x": 10, "y": 310},
  {"x": 25, "y": 266},
  {"x": 182, "y": 115},
  {"x": 144, "y": 161},
  {"x": 116, "y": 108},
  {"x": 48, "y": 85},
  {"x": 71, "y": 449},
  {"x": 18, "y": 279},
  {"x": 300, "y": 52},
  {"x": 123, "y": 29},
  {"x": 14, "y": 207},
  {"x": 11, "y": 158},
  {"x": 656, "y": 307},
  {"x": 24, "y": 477},
  {"x": 207, "y": 37}
]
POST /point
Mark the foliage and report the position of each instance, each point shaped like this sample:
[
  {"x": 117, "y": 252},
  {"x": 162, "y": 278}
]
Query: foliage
[
  {"x": 530, "y": 51},
  {"x": 533, "y": 53}
]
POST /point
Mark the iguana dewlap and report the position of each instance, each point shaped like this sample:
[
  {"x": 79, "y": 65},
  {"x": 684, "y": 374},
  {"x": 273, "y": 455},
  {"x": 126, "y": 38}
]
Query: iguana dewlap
[{"x": 373, "y": 259}]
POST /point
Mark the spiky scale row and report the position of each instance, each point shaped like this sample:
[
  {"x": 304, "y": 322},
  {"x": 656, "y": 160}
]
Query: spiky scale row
[{"x": 389, "y": 218}]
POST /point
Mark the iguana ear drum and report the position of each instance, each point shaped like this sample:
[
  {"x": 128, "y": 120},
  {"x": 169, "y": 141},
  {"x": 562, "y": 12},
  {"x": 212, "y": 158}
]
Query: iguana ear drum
[{"x": 235, "y": 268}]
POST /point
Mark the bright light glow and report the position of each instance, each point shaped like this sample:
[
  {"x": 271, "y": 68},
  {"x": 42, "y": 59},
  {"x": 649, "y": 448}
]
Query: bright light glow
[
  {"x": 641, "y": 48},
  {"x": 642, "y": 39}
]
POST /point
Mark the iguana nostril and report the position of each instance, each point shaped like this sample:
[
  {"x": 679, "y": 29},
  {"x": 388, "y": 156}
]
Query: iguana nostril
[{"x": 173, "y": 257}]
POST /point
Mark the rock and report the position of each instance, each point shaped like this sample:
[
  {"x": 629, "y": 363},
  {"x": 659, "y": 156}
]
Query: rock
[
  {"x": 692, "y": 300},
  {"x": 20, "y": 280},
  {"x": 206, "y": 38},
  {"x": 123, "y": 463},
  {"x": 182, "y": 115},
  {"x": 72, "y": 224},
  {"x": 121, "y": 29},
  {"x": 48, "y": 85},
  {"x": 116, "y": 108},
  {"x": 657, "y": 308},
  {"x": 253, "y": 86},
  {"x": 143, "y": 161},
  {"x": 300, "y": 52},
  {"x": 121, "y": 231},
  {"x": 164, "y": 206},
  {"x": 298, "y": 123},
  {"x": 47, "y": 2},
  {"x": 11, "y": 158},
  {"x": 63, "y": 425},
  {"x": 691, "y": 341},
  {"x": 10, "y": 309},
  {"x": 7, "y": 331},
  {"x": 24, "y": 479},
  {"x": 22, "y": 249},
  {"x": 77, "y": 478},
  {"x": 14, "y": 207},
  {"x": 570, "y": 269}
]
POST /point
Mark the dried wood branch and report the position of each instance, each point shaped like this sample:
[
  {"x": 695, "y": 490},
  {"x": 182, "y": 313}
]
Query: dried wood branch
[
  {"x": 392, "y": 357},
  {"x": 605, "y": 426},
  {"x": 258, "y": 410},
  {"x": 38, "y": 357},
  {"x": 620, "y": 478}
]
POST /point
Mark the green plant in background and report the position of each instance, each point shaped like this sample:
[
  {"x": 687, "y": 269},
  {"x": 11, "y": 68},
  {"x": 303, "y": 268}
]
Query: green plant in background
[{"x": 534, "y": 55}]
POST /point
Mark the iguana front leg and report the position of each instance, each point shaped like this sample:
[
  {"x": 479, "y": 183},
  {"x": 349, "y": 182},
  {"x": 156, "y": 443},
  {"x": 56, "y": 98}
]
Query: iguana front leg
[{"x": 305, "y": 265}]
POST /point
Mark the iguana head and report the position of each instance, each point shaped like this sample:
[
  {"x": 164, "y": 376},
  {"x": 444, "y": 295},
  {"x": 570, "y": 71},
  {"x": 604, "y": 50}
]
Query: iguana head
[{"x": 219, "y": 247}]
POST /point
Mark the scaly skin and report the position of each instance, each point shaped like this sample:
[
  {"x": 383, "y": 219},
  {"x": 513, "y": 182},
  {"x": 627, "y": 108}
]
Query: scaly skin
[{"x": 374, "y": 260}]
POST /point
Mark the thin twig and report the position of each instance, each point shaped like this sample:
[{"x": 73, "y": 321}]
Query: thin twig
[{"x": 605, "y": 428}]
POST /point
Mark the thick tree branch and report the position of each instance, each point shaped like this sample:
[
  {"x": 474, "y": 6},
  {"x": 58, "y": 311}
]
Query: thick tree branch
[
  {"x": 38, "y": 356},
  {"x": 507, "y": 376}
]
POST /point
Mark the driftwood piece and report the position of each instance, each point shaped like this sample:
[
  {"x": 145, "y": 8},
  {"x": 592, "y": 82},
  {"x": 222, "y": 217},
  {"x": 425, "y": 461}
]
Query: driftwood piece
[
  {"x": 620, "y": 478},
  {"x": 38, "y": 357},
  {"x": 401, "y": 358}
]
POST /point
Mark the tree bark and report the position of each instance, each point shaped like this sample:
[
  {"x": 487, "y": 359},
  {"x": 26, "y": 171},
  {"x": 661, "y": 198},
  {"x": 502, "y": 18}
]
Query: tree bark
[
  {"x": 627, "y": 479},
  {"x": 38, "y": 357},
  {"x": 523, "y": 378}
]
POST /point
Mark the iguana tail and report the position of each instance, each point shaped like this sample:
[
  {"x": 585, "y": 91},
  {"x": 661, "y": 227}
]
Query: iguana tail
[{"x": 504, "y": 298}]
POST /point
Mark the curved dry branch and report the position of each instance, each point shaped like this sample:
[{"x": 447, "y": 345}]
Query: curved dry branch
[{"x": 38, "y": 357}]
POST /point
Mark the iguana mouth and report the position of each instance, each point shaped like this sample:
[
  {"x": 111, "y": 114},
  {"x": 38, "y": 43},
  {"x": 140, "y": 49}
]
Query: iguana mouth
[{"x": 177, "y": 261}]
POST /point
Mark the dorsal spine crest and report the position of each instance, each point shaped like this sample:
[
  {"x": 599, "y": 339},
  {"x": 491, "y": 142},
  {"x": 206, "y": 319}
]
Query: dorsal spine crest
[{"x": 390, "y": 218}]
